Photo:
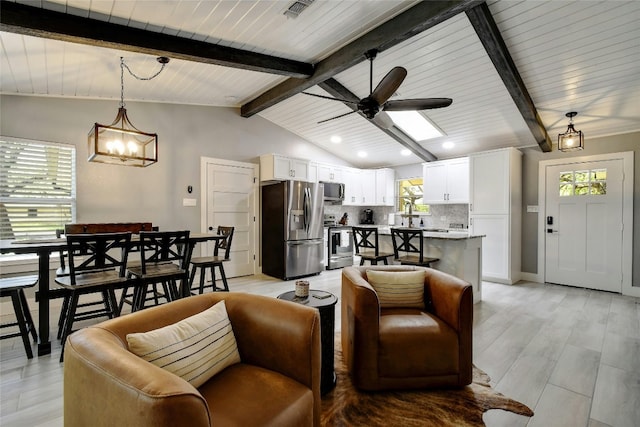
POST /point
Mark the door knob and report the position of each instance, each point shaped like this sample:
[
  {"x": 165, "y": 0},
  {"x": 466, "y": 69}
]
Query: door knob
[{"x": 210, "y": 228}]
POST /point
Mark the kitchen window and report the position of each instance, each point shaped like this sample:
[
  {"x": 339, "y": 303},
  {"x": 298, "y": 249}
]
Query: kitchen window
[
  {"x": 37, "y": 188},
  {"x": 410, "y": 191}
]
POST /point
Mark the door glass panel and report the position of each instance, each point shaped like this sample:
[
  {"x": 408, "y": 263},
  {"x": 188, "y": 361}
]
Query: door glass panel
[{"x": 584, "y": 182}]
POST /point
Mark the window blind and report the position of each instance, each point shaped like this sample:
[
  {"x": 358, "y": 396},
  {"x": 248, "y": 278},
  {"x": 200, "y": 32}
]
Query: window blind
[{"x": 37, "y": 188}]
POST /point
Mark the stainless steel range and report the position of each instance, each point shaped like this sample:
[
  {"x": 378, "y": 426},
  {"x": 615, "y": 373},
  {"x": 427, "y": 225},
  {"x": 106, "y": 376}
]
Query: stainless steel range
[{"x": 339, "y": 246}]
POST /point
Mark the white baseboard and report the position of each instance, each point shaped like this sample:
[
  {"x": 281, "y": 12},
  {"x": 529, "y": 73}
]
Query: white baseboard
[{"x": 531, "y": 277}]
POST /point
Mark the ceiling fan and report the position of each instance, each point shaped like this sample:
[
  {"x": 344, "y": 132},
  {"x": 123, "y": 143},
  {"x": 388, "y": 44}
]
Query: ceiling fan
[{"x": 374, "y": 106}]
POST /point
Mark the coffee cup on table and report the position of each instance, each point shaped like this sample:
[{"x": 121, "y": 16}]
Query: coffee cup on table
[{"x": 302, "y": 289}]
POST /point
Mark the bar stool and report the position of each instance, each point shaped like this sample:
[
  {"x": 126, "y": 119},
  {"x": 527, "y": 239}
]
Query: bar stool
[
  {"x": 411, "y": 243},
  {"x": 214, "y": 261},
  {"x": 367, "y": 245},
  {"x": 14, "y": 287}
]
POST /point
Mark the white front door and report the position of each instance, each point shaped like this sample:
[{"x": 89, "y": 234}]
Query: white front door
[
  {"x": 230, "y": 192},
  {"x": 584, "y": 224}
]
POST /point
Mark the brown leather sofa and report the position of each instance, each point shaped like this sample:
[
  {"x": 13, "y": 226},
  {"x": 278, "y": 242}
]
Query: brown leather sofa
[
  {"x": 407, "y": 348},
  {"x": 276, "y": 384}
]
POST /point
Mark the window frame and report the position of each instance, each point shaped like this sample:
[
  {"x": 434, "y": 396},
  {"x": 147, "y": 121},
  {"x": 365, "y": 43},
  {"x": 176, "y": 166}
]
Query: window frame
[{"x": 47, "y": 199}]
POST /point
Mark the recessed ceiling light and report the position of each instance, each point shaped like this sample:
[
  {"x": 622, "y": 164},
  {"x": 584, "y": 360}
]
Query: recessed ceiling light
[
  {"x": 448, "y": 145},
  {"x": 336, "y": 139},
  {"x": 406, "y": 152},
  {"x": 416, "y": 125},
  {"x": 362, "y": 154}
]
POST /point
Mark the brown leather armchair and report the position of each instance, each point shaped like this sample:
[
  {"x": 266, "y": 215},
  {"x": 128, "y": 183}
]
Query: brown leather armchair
[
  {"x": 276, "y": 384},
  {"x": 407, "y": 348}
]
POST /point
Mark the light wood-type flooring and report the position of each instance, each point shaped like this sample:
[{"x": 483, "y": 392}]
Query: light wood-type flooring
[{"x": 572, "y": 355}]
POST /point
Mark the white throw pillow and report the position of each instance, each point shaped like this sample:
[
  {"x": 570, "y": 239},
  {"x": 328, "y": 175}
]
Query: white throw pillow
[
  {"x": 195, "y": 348},
  {"x": 398, "y": 288}
]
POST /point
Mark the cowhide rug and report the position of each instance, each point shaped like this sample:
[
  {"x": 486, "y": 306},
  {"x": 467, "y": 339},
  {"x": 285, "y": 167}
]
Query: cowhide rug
[{"x": 345, "y": 406}]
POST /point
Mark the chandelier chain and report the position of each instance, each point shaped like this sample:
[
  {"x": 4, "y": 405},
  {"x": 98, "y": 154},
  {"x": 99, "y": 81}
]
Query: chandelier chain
[{"x": 123, "y": 65}]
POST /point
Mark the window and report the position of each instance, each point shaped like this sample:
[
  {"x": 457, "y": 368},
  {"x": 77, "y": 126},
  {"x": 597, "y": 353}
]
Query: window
[
  {"x": 585, "y": 182},
  {"x": 410, "y": 191},
  {"x": 37, "y": 188}
]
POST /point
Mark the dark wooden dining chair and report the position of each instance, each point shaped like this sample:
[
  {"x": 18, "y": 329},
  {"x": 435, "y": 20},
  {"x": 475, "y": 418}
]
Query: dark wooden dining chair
[
  {"x": 164, "y": 260},
  {"x": 367, "y": 245},
  {"x": 211, "y": 262},
  {"x": 408, "y": 247},
  {"x": 97, "y": 265},
  {"x": 14, "y": 287}
]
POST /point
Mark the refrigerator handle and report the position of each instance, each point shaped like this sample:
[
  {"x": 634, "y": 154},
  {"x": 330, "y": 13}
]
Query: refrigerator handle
[{"x": 305, "y": 207}]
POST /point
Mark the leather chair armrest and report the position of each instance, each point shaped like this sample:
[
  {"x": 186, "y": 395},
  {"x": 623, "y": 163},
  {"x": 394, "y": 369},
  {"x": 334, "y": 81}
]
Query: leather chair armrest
[
  {"x": 106, "y": 385},
  {"x": 279, "y": 335},
  {"x": 450, "y": 298},
  {"x": 360, "y": 325}
]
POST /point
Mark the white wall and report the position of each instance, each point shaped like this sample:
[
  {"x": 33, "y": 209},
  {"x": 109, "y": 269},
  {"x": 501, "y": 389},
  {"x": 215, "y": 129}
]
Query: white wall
[{"x": 110, "y": 193}]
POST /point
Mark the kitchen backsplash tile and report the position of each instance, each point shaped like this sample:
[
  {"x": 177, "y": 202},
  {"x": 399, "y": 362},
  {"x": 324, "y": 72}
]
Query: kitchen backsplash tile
[{"x": 441, "y": 215}]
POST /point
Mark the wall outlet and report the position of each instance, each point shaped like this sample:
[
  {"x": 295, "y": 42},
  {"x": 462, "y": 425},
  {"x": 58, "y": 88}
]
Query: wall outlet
[
  {"x": 189, "y": 202},
  {"x": 532, "y": 208}
]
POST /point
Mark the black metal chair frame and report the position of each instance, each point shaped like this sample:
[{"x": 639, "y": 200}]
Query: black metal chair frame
[
  {"x": 93, "y": 269},
  {"x": 164, "y": 257},
  {"x": 362, "y": 238},
  {"x": 203, "y": 263},
  {"x": 403, "y": 241},
  {"x": 14, "y": 287}
]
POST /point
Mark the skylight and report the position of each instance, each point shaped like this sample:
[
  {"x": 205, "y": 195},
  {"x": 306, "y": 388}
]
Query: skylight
[{"x": 414, "y": 124}]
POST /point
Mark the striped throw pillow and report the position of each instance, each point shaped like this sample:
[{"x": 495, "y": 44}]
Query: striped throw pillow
[
  {"x": 398, "y": 288},
  {"x": 195, "y": 348}
]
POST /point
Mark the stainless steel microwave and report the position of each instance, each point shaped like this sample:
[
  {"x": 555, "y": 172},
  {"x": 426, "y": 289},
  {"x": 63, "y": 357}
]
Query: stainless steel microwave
[{"x": 333, "y": 193}]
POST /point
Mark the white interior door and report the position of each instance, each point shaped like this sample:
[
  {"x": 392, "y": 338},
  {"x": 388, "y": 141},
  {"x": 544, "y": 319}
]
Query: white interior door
[
  {"x": 584, "y": 224},
  {"x": 230, "y": 198}
]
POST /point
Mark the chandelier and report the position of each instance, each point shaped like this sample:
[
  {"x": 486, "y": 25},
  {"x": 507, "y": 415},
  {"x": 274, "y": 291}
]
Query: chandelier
[
  {"x": 572, "y": 139},
  {"x": 121, "y": 143}
]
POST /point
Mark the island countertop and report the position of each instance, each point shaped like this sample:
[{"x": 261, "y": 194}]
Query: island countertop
[{"x": 431, "y": 233}]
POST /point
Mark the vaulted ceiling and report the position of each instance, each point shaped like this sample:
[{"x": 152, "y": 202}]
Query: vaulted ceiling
[{"x": 512, "y": 68}]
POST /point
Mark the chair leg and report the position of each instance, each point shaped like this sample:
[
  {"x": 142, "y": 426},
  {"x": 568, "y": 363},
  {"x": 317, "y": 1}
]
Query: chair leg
[
  {"x": 63, "y": 313},
  {"x": 214, "y": 288},
  {"x": 192, "y": 277},
  {"x": 123, "y": 298},
  {"x": 113, "y": 302},
  {"x": 224, "y": 279},
  {"x": 202, "y": 275},
  {"x": 68, "y": 323},
  {"x": 374, "y": 262},
  {"x": 27, "y": 315},
  {"x": 22, "y": 325},
  {"x": 361, "y": 261}
]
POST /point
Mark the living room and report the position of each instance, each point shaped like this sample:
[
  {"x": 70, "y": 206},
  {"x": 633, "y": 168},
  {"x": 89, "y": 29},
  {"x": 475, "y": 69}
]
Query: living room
[{"x": 514, "y": 324}]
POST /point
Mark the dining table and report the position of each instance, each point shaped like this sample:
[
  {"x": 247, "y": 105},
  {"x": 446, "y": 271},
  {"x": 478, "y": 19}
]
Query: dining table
[{"x": 43, "y": 248}]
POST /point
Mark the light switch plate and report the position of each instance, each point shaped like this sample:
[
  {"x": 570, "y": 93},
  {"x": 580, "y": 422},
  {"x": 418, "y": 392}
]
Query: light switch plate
[
  {"x": 532, "y": 208},
  {"x": 189, "y": 202}
]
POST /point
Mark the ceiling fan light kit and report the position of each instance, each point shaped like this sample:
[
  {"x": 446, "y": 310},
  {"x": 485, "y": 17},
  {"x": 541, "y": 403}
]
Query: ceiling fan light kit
[
  {"x": 121, "y": 143},
  {"x": 374, "y": 106},
  {"x": 572, "y": 139}
]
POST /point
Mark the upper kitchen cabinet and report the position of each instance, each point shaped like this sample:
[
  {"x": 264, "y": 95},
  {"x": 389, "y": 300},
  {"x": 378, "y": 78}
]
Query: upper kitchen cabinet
[
  {"x": 446, "y": 181},
  {"x": 385, "y": 187},
  {"x": 352, "y": 187},
  {"x": 274, "y": 167},
  {"x": 329, "y": 173},
  {"x": 368, "y": 187},
  {"x": 495, "y": 181}
]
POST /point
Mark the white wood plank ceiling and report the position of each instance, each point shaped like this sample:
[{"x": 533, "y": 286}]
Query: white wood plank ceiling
[{"x": 573, "y": 56}]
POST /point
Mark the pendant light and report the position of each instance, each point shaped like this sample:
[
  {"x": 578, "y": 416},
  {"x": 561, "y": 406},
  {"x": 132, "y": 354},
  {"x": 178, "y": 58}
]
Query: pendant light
[
  {"x": 572, "y": 139},
  {"x": 121, "y": 143}
]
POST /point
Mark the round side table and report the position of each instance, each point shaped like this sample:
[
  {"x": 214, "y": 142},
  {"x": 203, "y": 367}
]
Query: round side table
[{"x": 325, "y": 302}]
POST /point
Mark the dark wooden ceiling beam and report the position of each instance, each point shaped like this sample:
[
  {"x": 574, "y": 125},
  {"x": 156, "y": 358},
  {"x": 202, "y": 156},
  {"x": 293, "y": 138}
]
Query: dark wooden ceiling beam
[
  {"x": 422, "y": 16},
  {"x": 34, "y": 21},
  {"x": 489, "y": 34},
  {"x": 339, "y": 91}
]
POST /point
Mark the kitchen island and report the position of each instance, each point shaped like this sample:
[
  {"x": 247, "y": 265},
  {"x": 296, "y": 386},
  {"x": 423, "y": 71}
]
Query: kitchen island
[{"x": 460, "y": 254}]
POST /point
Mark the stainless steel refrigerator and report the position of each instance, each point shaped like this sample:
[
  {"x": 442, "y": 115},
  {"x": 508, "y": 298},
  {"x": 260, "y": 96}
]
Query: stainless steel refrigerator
[{"x": 292, "y": 227}]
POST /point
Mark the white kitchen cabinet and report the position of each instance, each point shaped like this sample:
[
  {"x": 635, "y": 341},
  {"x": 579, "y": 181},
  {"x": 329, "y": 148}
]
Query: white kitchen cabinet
[
  {"x": 385, "y": 187},
  {"x": 329, "y": 173},
  {"x": 368, "y": 187},
  {"x": 274, "y": 167},
  {"x": 352, "y": 187},
  {"x": 495, "y": 210},
  {"x": 446, "y": 181}
]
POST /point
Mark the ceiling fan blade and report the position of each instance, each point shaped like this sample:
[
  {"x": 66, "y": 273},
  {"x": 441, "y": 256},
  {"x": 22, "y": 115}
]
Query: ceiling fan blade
[
  {"x": 331, "y": 99},
  {"x": 416, "y": 104},
  {"x": 388, "y": 85},
  {"x": 337, "y": 117},
  {"x": 383, "y": 120}
]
